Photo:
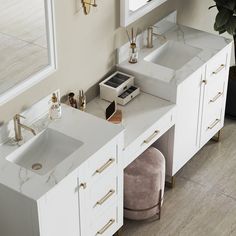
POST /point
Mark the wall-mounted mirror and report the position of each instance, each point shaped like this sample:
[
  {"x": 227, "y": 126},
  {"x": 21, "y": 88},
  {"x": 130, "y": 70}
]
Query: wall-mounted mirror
[
  {"x": 132, "y": 10},
  {"x": 27, "y": 45}
]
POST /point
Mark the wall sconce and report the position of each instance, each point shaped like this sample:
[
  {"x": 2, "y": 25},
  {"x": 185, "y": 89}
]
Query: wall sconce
[{"x": 87, "y": 4}]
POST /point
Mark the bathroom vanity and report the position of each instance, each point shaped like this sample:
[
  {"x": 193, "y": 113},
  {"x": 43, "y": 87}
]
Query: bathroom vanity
[
  {"x": 75, "y": 185},
  {"x": 79, "y": 188},
  {"x": 189, "y": 68}
]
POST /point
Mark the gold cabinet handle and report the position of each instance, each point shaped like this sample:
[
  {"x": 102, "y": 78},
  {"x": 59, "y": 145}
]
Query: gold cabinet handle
[
  {"x": 105, "y": 166},
  {"x": 106, "y": 197},
  {"x": 83, "y": 185},
  {"x": 149, "y": 139},
  {"x": 106, "y": 227},
  {"x": 221, "y": 67},
  {"x": 216, "y": 122},
  {"x": 216, "y": 97}
]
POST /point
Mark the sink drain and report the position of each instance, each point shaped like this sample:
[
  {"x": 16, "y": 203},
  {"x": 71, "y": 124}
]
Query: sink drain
[{"x": 37, "y": 166}]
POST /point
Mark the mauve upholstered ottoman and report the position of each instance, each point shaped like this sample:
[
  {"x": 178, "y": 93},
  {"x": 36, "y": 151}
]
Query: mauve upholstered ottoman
[{"x": 144, "y": 182}]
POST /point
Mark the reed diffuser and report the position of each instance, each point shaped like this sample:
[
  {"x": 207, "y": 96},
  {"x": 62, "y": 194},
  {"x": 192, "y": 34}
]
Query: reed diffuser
[{"x": 133, "y": 53}]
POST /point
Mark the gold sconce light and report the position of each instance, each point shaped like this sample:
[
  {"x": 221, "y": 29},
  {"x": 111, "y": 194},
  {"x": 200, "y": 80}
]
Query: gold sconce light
[{"x": 87, "y": 4}]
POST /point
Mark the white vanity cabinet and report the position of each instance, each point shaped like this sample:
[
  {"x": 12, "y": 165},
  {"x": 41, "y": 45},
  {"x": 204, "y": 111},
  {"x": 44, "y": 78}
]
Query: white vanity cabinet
[
  {"x": 89, "y": 201},
  {"x": 200, "y": 112},
  {"x": 188, "y": 116},
  {"x": 100, "y": 185}
]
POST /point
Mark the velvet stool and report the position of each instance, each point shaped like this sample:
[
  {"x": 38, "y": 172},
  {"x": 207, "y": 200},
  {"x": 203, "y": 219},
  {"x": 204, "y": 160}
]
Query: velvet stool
[{"x": 144, "y": 182}]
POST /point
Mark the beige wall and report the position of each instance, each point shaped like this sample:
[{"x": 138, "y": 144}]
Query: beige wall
[
  {"x": 86, "y": 44},
  {"x": 86, "y": 49}
]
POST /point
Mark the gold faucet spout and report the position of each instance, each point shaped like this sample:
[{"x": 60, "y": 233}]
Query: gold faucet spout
[
  {"x": 17, "y": 127},
  {"x": 28, "y": 128}
]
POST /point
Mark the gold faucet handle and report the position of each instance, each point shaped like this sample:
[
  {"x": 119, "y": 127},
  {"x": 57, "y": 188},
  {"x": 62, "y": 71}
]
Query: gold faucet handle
[{"x": 18, "y": 116}]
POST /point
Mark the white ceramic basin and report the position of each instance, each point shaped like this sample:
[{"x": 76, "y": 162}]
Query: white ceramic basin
[
  {"x": 45, "y": 151},
  {"x": 173, "y": 55}
]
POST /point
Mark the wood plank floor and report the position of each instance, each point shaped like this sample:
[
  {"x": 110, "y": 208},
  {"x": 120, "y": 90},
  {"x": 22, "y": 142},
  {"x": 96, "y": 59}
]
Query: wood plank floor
[{"x": 203, "y": 203}]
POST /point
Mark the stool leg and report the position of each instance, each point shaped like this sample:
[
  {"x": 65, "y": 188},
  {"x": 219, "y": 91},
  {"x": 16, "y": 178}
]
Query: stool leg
[
  {"x": 216, "y": 138},
  {"x": 171, "y": 183},
  {"x": 159, "y": 205}
]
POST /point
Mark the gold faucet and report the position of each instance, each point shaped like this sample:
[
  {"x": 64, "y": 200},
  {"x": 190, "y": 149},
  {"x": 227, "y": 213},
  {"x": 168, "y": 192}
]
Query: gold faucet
[
  {"x": 18, "y": 126},
  {"x": 150, "y": 35}
]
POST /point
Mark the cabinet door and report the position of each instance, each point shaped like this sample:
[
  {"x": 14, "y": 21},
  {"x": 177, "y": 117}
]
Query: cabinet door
[
  {"x": 187, "y": 120},
  {"x": 59, "y": 210}
]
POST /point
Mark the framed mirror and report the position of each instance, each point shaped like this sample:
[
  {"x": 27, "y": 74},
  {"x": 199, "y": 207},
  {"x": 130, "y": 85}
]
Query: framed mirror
[
  {"x": 132, "y": 10},
  {"x": 27, "y": 45}
]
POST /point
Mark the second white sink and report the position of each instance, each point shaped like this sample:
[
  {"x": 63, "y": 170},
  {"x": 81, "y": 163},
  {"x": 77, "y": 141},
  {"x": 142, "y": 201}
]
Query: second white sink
[
  {"x": 45, "y": 151},
  {"x": 173, "y": 55}
]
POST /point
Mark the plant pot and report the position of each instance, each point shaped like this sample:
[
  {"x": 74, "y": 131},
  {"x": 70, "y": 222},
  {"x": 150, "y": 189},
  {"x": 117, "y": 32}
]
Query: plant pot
[{"x": 231, "y": 94}]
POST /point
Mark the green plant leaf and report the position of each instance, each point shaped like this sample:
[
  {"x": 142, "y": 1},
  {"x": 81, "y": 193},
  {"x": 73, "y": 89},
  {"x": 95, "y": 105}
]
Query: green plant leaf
[
  {"x": 221, "y": 29},
  {"x": 228, "y": 4},
  {"x": 231, "y": 25},
  {"x": 223, "y": 17}
]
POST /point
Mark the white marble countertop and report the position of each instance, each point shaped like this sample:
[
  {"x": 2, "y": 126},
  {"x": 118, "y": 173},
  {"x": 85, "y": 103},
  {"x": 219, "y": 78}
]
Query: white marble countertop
[
  {"x": 137, "y": 116},
  {"x": 209, "y": 44},
  {"x": 92, "y": 131}
]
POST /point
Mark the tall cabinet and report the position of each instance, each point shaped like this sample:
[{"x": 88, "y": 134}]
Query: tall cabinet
[{"x": 200, "y": 103}]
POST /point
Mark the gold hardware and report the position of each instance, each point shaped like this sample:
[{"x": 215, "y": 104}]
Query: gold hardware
[
  {"x": 216, "y": 97},
  {"x": 149, "y": 139},
  {"x": 83, "y": 185},
  {"x": 106, "y": 197},
  {"x": 86, "y": 4},
  {"x": 106, "y": 227},
  {"x": 221, "y": 67},
  {"x": 105, "y": 166},
  {"x": 18, "y": 126},
  {"x": 214, "y": 124},
  {"x": 204, "y": 81},
  {"x": 217, "y": 136},
  {"x": 150, "y": 35}
]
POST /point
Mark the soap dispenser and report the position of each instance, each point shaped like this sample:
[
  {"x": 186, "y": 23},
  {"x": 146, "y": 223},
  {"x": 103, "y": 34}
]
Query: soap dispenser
[{"x": 55, "y": 108}]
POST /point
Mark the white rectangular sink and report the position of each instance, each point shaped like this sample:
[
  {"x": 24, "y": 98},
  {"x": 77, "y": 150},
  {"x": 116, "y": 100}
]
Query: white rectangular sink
[
  {"x": 44, "y": 151},
  {"x": 173, "y": 55}
]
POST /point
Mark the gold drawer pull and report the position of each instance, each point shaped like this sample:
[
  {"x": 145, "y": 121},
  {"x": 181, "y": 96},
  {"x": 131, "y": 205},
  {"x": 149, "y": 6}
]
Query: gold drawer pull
[
  {"x": 105, "y": 166},
  {"x": 106, "y": 197},
  {"x": 106, "y": 227},
  {"x": 149, "y": 139},
  {"x": 216, "y": 122},
  {"x": 221, "y": 67},
  {"x": 216, "y": 97}
]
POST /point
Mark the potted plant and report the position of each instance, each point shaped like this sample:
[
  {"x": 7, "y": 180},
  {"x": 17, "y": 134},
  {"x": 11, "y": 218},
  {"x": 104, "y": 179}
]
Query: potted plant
[{"x": 226, "y": 22}]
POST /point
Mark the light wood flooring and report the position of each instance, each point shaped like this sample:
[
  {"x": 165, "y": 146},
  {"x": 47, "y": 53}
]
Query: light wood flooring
[{"x": 203, "y": 203}]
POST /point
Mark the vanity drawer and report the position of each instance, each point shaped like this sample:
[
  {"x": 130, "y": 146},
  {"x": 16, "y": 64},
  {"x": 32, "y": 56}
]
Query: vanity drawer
[
  {"x": 104, "y": 163},
  {"x": 148, "y": 138},
  {"x": 213, "y": 122},
  {"x": 217, "y": 67},
  {"x": 103, "y": 195},
  {"x": 106, "y": 225},
  {"x": 215, "y": 92}
]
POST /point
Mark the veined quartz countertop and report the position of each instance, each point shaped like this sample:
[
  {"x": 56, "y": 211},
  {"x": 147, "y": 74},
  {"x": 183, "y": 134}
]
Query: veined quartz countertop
[
  {"x": 209, "y": 44},
  {"x": 92, "y": 131}
]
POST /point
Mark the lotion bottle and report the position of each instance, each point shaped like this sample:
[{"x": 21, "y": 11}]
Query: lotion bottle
[{"x": 55, "y": 108}]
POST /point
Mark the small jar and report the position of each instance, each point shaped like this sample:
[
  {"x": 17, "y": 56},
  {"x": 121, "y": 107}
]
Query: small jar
[{"x": 133, "y": 54}]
